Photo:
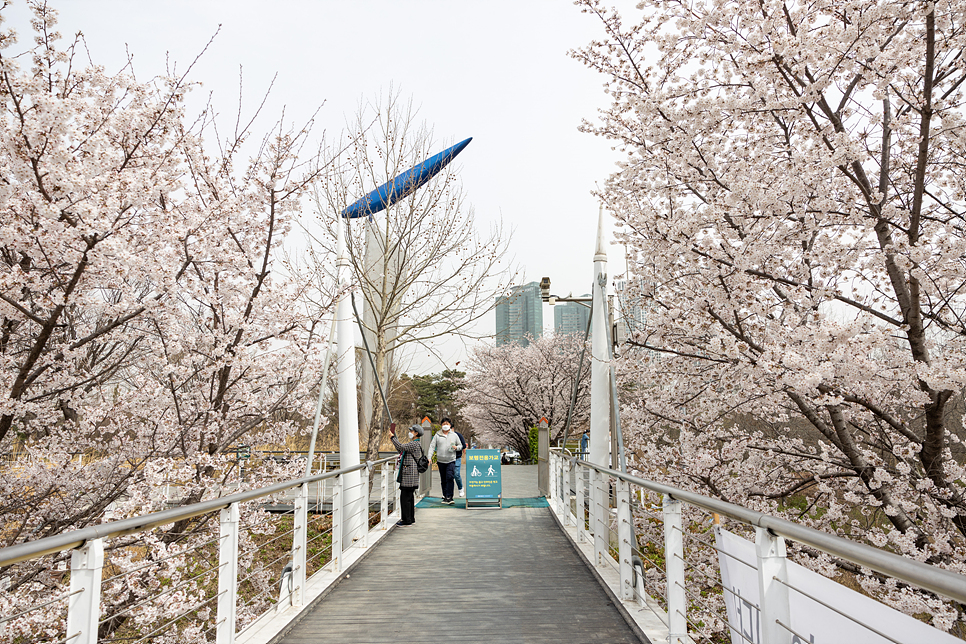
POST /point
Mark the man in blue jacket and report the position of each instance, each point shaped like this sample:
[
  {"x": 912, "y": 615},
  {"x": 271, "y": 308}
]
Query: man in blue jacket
[{"x": 458, "y": 464}]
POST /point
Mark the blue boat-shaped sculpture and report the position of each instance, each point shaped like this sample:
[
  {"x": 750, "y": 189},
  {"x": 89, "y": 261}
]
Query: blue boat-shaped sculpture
[{"x": 404, "y": 184}]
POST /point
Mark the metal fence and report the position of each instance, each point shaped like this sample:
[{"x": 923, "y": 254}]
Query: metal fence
[
  {"x": 228, "y": 568},
  {"x": 653, "y": 535}
]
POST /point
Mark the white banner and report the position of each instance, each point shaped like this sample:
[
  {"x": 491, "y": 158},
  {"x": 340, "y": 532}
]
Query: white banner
[{"x": 863, "y": 620}]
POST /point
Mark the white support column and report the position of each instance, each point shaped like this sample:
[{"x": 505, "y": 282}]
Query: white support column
[
  {"x": 337, "y": 519},
  {"x": 772, "y": 567},
  {"x": 227, "y": 575},
  {"x": 352, "y": 524},
  {"x": 600, "y": 503},
  {"x": 677, "y": 606},
  {"x": 84, "y": 608},
  {"x": 600, "y": 398},
  {"x": 384, "y": 497},
  {"x": 300, "y": 545},
  {"x": 625, "y": 532}
]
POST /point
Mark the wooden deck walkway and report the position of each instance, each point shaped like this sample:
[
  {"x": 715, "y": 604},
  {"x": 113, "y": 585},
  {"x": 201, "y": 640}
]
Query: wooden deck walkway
[{"x": 463, "y": 575}]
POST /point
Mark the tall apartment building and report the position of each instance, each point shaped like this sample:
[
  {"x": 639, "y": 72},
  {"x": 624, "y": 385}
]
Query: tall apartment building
[
  {"x": 519, "y": 313},
  {"x": 570, "y": 318},
  {"x": 630, "y": 312}
]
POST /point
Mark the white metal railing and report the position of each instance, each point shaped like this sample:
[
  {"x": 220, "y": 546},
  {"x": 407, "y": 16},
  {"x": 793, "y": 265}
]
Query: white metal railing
[
  {"x": 203, "y": 580},
  {"x": 643, "y": 532}
]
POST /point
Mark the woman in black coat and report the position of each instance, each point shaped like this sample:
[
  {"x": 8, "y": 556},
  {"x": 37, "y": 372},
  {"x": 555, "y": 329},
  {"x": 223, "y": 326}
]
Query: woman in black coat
[{"x": 408, "y": 474}]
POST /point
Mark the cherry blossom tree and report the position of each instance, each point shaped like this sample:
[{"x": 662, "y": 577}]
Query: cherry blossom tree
[
  {"x": 792, "y": 193},
  {"x": 143, "y": 332},
  {"x": 423, "y": 269},
  {"x": 509, "y": 388}
]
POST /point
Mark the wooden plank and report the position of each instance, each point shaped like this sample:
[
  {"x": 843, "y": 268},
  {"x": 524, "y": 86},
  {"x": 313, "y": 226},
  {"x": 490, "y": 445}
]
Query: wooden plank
[{"x": 465, "y": 576}]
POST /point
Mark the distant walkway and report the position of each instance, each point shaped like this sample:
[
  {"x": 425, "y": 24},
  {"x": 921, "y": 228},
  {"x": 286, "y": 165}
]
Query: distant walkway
[
  {"x": 458, "y": 575},
  {"x": 519, "y": 481}
]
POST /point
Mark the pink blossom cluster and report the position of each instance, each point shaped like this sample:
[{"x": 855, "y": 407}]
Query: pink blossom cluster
[
  {"x": 509, "y": 388},
  {"x": 145, "y": 329},
  {"x": 792, "y": 202}
]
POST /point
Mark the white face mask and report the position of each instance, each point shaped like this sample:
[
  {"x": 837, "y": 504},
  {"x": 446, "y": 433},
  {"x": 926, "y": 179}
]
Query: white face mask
[
  {"x": 445, "y": 428},
  {"x": 411, "y": 435}
]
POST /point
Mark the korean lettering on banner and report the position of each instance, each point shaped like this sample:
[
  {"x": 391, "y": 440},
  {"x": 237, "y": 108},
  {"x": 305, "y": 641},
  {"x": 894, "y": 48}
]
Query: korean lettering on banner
[
  {"x": 483, "y": 474},
  {"x": 809, "y": 618}
]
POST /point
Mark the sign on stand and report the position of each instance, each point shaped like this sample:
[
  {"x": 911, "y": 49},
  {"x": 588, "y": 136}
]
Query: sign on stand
[{"x": 484, "y": 485}]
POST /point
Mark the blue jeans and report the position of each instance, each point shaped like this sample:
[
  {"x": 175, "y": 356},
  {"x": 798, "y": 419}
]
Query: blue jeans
[
  {"x": 456, "y": 474},
  {"x": 446, "y": 478}
]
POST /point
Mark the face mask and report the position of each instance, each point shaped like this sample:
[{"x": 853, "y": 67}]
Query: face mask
[
  {"x": 445, "y": 428},
  {"x": 411, "y": 435}
]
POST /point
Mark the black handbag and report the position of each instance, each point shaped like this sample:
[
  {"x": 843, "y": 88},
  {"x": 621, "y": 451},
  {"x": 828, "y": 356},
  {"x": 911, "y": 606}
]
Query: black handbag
[{"x": 422, "y": 464}]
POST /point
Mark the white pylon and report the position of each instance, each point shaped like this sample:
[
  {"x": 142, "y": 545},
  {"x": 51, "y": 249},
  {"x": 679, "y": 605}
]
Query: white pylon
[
  {"x": 600, "y": 393},
  {"x": 354, "y": 517},
  {"x": 600, "y": 398}
]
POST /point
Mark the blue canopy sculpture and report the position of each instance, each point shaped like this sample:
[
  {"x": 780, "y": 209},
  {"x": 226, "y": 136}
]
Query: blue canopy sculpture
[{"x": 404, "y": 184}]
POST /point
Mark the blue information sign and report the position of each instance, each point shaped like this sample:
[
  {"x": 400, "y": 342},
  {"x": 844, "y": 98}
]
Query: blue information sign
[{"x": 484, "y": 487}]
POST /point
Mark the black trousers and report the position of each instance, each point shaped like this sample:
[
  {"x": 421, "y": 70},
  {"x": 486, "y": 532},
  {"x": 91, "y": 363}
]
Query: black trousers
[
  {"x": 446, "y": 477},
  {"x": 407, "y": 502}
]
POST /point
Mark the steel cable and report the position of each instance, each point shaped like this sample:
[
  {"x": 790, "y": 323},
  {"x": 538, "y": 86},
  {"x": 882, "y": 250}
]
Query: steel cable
[
  {"x": 162, "y": 594},
  {"x": 163, "y": 559},
  {"x": 36, "y": 606}
]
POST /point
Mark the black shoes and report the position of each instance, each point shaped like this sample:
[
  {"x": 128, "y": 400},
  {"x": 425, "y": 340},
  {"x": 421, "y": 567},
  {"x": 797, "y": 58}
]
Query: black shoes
[
  {"x": 448, "y": 502},
  {"x": 404, "y": 523}
]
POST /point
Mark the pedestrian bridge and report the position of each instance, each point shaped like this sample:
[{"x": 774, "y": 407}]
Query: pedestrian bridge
[{"x": 602, "y": 556}]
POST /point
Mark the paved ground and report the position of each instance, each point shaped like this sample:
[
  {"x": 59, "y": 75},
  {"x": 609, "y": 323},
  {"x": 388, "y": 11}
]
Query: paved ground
[{"x": 509, "y": 576}]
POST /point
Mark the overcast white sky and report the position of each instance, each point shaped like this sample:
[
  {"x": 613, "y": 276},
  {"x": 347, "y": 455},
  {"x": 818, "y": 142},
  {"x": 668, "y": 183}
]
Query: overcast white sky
[{"x": 496, "y": 70}]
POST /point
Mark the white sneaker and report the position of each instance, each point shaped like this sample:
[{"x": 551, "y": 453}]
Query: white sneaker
[{"x": 462, "y": 493}]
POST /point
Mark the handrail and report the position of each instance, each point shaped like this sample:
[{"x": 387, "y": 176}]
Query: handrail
[
  {"x": 77, "y": 538},
  {"x": 937, "y": 580}
]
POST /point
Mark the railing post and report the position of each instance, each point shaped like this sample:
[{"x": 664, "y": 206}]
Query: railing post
[
  {"x": 227, "y": 575},
  {"x": 543, "y": 451},
  {"x": 337, "y": 511},
  {"x": 625, "y": 532},
  {"x": 397, "y": 493},
  {"x": 677, "y": 608},
  {"x": 426, "y": 478},
  {"x": 773, "y": 594},
  {"x": 364, "y": 481},
  {"x": 300, "y": 545},
  {"x": 84, "y": 608},
  {"x": 580, "y": 502},
  {"x": 384, "y": 497},
  {"x": 600, "y": 505},
  {"x": 551, "y": 491},
  {"x": 563, "y": 467},
  {"x": 591, "y": 500},
  {"x": 563, "y": 488}
]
